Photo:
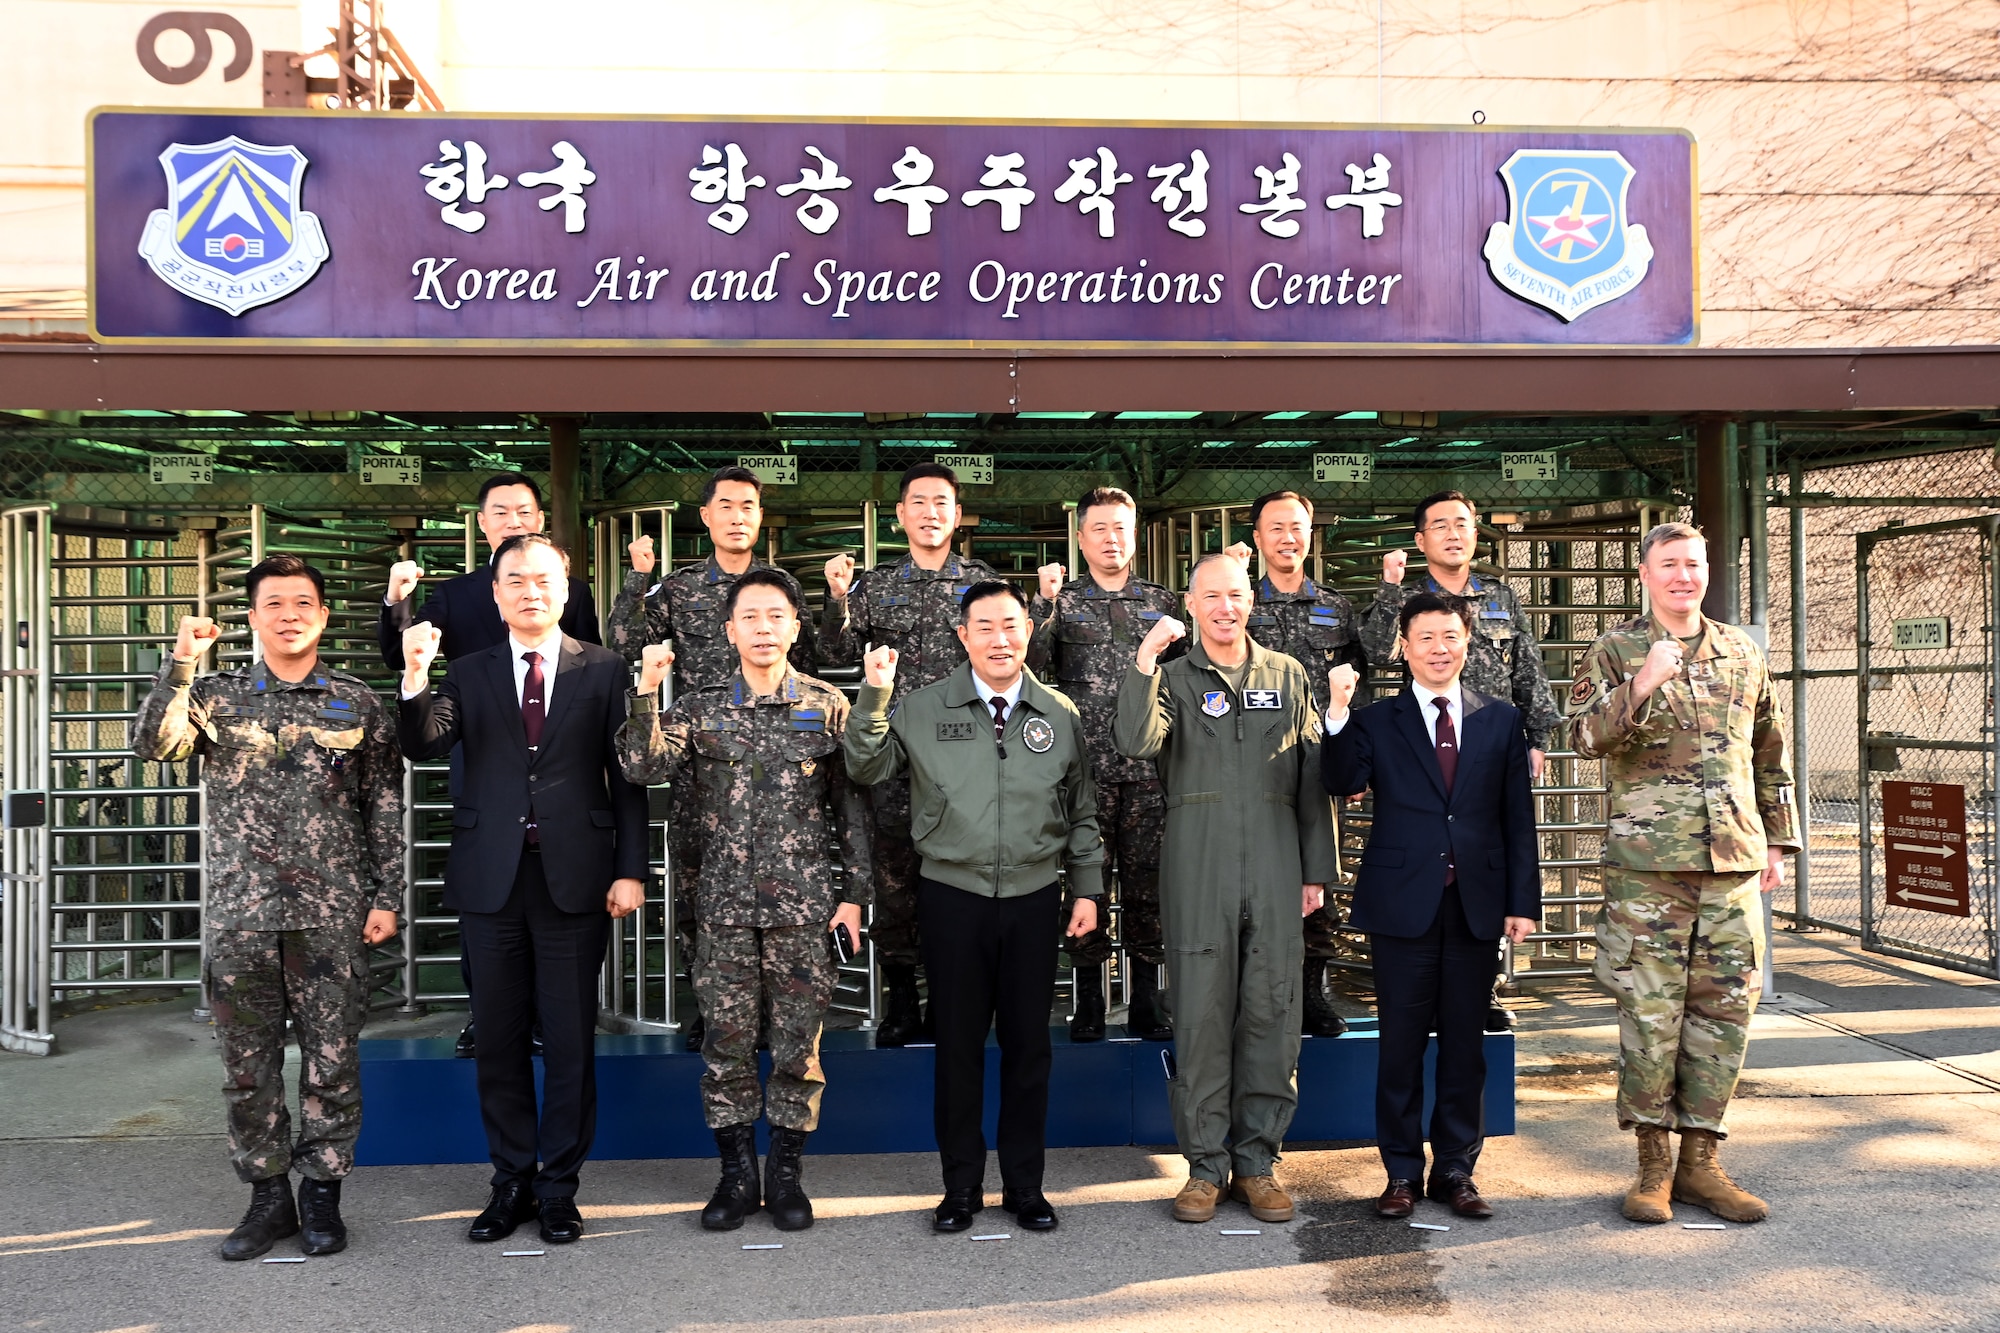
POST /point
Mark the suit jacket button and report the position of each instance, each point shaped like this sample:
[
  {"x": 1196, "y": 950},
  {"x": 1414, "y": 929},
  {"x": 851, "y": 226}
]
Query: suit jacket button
[{"x": 522, "y": 820}]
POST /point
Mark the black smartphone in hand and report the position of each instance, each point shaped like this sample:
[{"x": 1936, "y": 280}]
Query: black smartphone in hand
[{"x": 843, "y": 943}]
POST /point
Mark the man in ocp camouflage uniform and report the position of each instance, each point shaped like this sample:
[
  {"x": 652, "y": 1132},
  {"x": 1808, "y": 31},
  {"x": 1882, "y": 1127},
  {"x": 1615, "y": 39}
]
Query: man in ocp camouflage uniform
[
  {"x": 1503, "y": 659},
  {"x": 761, "y": 754},
  {"x": 1315, "y": 626},
  {"x": 686, "y": 606},
  {"x": 1682, "y": 711},
  {"x": 911, "y": 605},
  {"x": 1087, "y": 633},
  {"x": 303, "y": 804}
]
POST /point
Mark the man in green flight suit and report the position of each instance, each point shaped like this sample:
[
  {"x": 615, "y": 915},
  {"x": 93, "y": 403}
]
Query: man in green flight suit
[
  {"x": 1682, "y": 711},
  {"x": 1249, "y": 851}
]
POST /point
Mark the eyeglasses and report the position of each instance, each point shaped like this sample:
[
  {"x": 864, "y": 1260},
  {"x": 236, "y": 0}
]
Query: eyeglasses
[{"x": 1461, "y": 526}]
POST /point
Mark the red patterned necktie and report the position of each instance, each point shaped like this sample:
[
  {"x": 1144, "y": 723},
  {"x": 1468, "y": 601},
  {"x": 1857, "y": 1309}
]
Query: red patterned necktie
[
  {"x": 999, "y": 719},
  {"x": 1447, "y": 753},
  {"x": 534, "y": 712}
]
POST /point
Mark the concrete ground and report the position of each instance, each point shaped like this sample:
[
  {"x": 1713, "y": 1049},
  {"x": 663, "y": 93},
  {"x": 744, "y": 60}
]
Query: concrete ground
[{"x": 1870, "y": 1117}]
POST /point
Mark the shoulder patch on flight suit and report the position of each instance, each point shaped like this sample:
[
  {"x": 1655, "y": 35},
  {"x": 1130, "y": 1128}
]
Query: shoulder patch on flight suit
[
  {"x": 1263, "y": 699},
  {"x": 956, "y": 731}
]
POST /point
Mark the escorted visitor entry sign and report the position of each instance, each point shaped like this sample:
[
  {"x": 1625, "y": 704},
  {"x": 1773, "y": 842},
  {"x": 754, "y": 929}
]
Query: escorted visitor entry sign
[
  {"x": 1923, "y": 836},
  {"x": 348, "y": 228}
]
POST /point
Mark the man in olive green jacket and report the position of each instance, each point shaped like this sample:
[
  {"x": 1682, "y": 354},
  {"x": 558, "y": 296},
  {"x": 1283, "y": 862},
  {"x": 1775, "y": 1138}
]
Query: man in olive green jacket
[
  {"x": 1000, "y": 801},
  {"x": 1249, "y": 850}
]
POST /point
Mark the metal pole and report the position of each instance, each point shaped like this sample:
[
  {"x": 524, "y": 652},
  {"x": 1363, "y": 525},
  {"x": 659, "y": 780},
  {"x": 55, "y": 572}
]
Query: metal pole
[
  {"x": 1801, "y": 731},
  {"x": 1069, "y": 519},
  {"x": 1992, "y": 527},
  {"x": 1760, "y": 538},
  {"x": 1864, "y": 820},
  {"x": 868, "y": 540}
]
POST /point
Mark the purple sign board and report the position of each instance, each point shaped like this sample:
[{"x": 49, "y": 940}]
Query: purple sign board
[{"x": 315, "y": 227}]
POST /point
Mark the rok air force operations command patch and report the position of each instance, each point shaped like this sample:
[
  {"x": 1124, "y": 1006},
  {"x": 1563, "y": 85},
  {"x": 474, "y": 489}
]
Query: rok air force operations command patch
[{"x": 1038, "y": 734}]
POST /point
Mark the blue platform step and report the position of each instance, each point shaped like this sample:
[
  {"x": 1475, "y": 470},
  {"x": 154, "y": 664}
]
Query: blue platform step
[{"x": 421, "y": 1105}]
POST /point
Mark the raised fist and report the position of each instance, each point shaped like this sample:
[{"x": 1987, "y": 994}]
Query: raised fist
[
  {"x": 839, "y": 575},
  {"x": 403, "y": 577},
  {"x": 197, "y": 635},
  {"x": 1340, "y": 683},
  {"x": 878, "y": 668},
  {"x": 641, "y": 551},
  {"x": 654, "y": 659},
  {"x": 420, "y": 649},
  {"x": 1239, "y": 552},
  {"x": 1663, "y": 663},
  {"x": 1393, "y": 565},
  {"x": 1052, "y": 580},
  {"x": 1165, "y": 630}
]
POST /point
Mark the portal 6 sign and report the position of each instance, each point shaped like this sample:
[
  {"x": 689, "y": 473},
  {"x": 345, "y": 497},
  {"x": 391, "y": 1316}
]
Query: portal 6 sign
[{"x": 416, "y": 229}]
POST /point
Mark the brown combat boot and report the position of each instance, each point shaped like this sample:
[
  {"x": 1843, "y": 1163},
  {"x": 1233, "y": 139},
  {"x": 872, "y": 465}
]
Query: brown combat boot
[
  {"x": 1650, "y": 1198},
  {"x": 1264, "y": 1196},
  {"x": 1196, "y": 1201},
  {"x": 1700, "y": 1179}
]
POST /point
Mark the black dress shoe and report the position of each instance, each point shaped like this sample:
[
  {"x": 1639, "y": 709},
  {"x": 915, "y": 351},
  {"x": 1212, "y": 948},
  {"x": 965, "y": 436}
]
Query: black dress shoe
[
  {"x": 1499, "y": 1018},
  {"x": 1032, "y": 1211},
  {"x": 955, "y": 1212},
  {"x": 561, "y": 1222},
  {"x": 1087, "y": 1023},
  {"x": 512, "y": 1204},
  {"x": 1456, "y": 1189},
  {"x": 468, "y": 1044},
  {"x": 1398, "y": 1200}
]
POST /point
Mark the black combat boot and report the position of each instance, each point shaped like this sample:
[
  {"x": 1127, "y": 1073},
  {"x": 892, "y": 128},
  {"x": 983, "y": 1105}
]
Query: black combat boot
[
  {"x": 1320, "y": 1019},
  {"x": 319, "y": 1216},
  {"x": 902, "y": 1010},
  {"x": 1147, "y": 1017},
  {"x": 736, "y": 1197},
  {"x": 784, "y": 1196},
  {"x": 270, "y": 1218},
  {"x": 1087, "y": 1022}
]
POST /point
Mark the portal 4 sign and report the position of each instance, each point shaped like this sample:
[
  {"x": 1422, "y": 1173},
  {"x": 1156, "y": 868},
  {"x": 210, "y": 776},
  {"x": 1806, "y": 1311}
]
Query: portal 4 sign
[
  {"x": 684, "y": 232},
  {"x": 1567, "y": 243},
  {"x": 233, "y": 234}
]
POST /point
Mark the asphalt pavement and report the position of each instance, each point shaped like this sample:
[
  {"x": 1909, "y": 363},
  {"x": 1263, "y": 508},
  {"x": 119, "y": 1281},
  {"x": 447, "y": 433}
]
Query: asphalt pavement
[{"x": 1870, "y": 1117}]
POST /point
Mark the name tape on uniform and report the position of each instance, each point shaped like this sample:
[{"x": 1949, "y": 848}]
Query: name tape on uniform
[{"x": 957, "y": 731}]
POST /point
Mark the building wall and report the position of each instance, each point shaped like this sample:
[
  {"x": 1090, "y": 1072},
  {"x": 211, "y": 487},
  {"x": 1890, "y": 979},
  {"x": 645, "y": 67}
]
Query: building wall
[{"x": 1848, "y": 170}]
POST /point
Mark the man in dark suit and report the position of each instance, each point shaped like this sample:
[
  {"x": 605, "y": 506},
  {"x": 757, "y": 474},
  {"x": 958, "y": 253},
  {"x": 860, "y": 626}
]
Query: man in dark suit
[
  {"x": 1451, "y": 865},
  {"x": 463, "y": 611},
  {"x": 462, "y": 608},
  {"x": 538, "y": 715}
]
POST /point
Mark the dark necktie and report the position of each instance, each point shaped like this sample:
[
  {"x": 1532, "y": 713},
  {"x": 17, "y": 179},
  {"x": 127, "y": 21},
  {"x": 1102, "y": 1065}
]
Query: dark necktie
[
  {"x": 1447, "y": 753},
  {"x": 534, "y": 712},
  {"x": 999, "y": 719}
]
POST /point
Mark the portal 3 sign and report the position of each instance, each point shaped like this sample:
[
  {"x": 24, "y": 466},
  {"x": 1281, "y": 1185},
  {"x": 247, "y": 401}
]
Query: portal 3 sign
[{"x": 668, "y": 232}]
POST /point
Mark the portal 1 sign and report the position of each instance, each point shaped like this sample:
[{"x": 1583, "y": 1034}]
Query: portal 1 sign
[{"x": 303, "y": 227}]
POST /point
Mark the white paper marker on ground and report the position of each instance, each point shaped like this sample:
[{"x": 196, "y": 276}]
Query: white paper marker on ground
[
  {"x": 763, "y": 1247},
  {"x": 1429, "y": 1226},
  {"x": 293, "y": 1259},
  {"x": 522, "y": 1254},
  {"x": 1242, "y": 1233},
  {"x": 1703, "y": 1226},
  {"x": 1002, "y": 1235}
]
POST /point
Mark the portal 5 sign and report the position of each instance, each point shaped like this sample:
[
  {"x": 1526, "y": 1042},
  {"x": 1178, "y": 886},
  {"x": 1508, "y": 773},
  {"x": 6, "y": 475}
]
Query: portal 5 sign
[{"x": 679, "y": 232}]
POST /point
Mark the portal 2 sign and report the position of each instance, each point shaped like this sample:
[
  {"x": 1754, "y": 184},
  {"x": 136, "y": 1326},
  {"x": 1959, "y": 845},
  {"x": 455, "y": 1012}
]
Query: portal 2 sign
[
  {"x": 233, "y": 234},
  {"x": 1567, "y": 244}
]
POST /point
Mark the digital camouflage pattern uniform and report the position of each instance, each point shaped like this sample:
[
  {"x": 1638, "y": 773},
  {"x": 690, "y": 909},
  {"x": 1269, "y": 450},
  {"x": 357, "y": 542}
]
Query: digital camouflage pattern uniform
[
  {"x": 687, "y": 607},
  {"x": 1701, "y": 785},
  {"x": 303, "y": 810},
  {"x": 1084, "y": 643},
  {"x": 1316, "y": 628},
  {"x": 1503, "y": 660},
  {"x": 915, "y": 611},
  {"x": 773, "y": 801}
]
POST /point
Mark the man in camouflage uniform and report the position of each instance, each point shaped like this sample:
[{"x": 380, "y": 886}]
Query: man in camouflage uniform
[
  {"x": 1682, "y": 711},
  {"x": 1087, "y": 632},
  {"x": 761, "y": 753},
  {"x": 303, "y": 798},
  {"x": 686, "y": 606},
  {"x": 911, "y": 606},
  {"x": 1503, "y": 660},
  {"x": 1315, "y": 626}
]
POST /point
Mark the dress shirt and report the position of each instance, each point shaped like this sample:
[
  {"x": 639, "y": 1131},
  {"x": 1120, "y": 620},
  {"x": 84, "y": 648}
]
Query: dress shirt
[
  {"x": 550, "y": 648},
  {"x": 987, "y": 694}
]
